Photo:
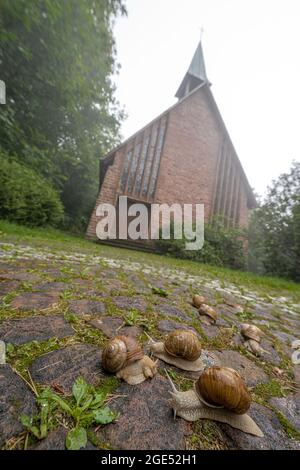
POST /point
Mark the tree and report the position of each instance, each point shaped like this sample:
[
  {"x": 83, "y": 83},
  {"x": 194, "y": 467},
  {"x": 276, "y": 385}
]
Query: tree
[
  {"x": 58, "y": 59},
  {"x": 275, "y": 227}
]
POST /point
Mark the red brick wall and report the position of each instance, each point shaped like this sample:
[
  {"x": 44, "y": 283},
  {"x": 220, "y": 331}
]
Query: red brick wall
[
  {"x": 108, "y": 193},
  {"x": 188, "y": 164}
]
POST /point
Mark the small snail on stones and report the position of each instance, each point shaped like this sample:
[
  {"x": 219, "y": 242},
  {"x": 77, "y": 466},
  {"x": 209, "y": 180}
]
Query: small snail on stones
[
  {"x": 210, "y": 315},
  {"x": 253, "y": 335},
  {"x": 220, "y": 394},
  {"x": 123, "y": 356},
  {"x": 198, "y": 300},
  {"x": 180, "y": 348}
]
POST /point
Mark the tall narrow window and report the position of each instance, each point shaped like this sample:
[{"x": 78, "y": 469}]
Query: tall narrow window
[
  {"x": 157, "y": 157},
  {"x": 133, "y": 167},
  {"x": 149, "y": 159},
  {"x": 141, "y": 164},
  {"x": 140, "y": 171},
  {"x": 125, "y": 170}
]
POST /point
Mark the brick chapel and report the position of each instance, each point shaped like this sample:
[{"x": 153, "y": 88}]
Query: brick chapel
[{"x": 185, "y": 155}]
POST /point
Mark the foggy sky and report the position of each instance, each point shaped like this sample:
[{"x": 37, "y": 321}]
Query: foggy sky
[{"x": 251, "y": 50}]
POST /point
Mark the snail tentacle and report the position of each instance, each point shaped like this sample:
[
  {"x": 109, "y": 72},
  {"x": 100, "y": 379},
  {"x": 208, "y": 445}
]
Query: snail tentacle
[
  {"x": 149, "y": 337},
  {"x": 171, "y": 382}
]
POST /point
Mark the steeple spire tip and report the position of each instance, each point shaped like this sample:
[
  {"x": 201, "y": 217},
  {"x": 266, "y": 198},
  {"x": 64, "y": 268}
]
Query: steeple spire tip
[{"x": 195, "y": 75}]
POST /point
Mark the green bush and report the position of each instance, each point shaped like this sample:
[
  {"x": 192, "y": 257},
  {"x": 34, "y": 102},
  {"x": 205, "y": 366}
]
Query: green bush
[
  {"x": 26, "y": 197},
  {"x": 222, "y": 247}
]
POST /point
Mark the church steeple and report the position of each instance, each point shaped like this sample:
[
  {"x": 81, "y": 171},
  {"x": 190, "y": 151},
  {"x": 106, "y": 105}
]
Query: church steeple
[{"x": 195, "y": 75}]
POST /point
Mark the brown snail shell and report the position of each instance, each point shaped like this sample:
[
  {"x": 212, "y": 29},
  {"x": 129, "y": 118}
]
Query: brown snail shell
[
  {"x": 183, "y": 343},
  {"x": 181, "y": 349},
  {"x": 251, "y": 332},
  {"x": 119, "y": 352},
  {"x": 198, "y": 300},
  {"x": 208, "y": 312},
  {"x": 223, "y": 386}
]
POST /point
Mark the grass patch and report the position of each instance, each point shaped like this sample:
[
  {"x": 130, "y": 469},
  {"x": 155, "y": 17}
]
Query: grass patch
[
  {"x": 289, "y": 429},
  {"x": 56, "y": 240},
  {"x": 21, "y": 357}
]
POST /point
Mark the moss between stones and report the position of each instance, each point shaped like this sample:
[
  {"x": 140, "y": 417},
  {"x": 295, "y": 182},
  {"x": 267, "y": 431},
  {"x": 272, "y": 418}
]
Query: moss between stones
[
  {"x": 222, "y": 341},
  {"x": 263, "y": 392},
  {"x": 206, "y": 436},
  {"x": 21, "y": 357},
  {"x": 181, "y": 382},
  {"x": 289, "y": 429}
]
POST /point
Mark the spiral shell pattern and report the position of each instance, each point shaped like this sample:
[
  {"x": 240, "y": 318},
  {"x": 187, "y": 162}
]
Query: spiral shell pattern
[{"x": 183, "y": 343}]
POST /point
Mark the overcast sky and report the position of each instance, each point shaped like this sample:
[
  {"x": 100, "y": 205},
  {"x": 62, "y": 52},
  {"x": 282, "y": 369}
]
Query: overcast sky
[{"x": 252, "y": 55}]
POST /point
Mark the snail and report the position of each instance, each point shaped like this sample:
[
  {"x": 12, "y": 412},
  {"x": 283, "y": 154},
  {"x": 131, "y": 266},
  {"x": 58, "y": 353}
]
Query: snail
[
  {"x": 198, "y": 300},
  {"x": 123, "y": 356},
  {"x": 181, "y": 348},
  {"x": 220, "y": 394},
  {"x": 253, "y": 335},
  {"x": 210, "y": 315}
]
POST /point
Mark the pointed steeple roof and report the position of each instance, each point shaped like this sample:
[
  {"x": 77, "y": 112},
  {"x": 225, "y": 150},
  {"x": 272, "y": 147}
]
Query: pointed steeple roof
[{"x": 195, "y": 75}]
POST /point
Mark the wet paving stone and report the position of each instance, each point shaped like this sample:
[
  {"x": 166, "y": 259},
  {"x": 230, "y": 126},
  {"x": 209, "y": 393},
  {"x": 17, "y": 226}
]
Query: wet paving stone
[
  {"x": 4, "y": 267},
  {"x": 289, "y": 407},
  {"x": 56, "y": 440},
  {"x": 146, "y": 420},
  {"x": 274, "y": 438},
  {"x": 284, "y": 337},
  {"x": 210, "y": 331},
  {"x": 166, "y": 326},
  {"x": 35, "y": 301},
  {"x": 15, "y": 399},
  {"x": 246, "y": 368},
  {"x": 109, "y": 326},
  {"x": 296, "y": 372},
  {"x": 20, "y": 276},
  {"x": 171, "y": 311},
  {"x": 51, "y": 287},
  {"x": 112, "y": 326},
  {"x": 128, "y": 303},
  {"x": 61, "y": 368},
  {"x": 8, "y": 286},
  {"x": 38, "y": 328},
  {"x": 265, "y": 313},
  {"x": 86, "y": 307},
  {"x": 230, "y": 313}
]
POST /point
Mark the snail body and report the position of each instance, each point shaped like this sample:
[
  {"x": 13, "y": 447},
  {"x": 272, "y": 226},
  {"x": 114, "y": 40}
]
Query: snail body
[
  {"x": 138, "y": 371},
  {"x": 229, "y": 409},
  {"x": 123, "y": 356},
  {"x": 209, "y": 314},
  {"x": 252, "y": 335},
  {"x": 180, "y": 348}
]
